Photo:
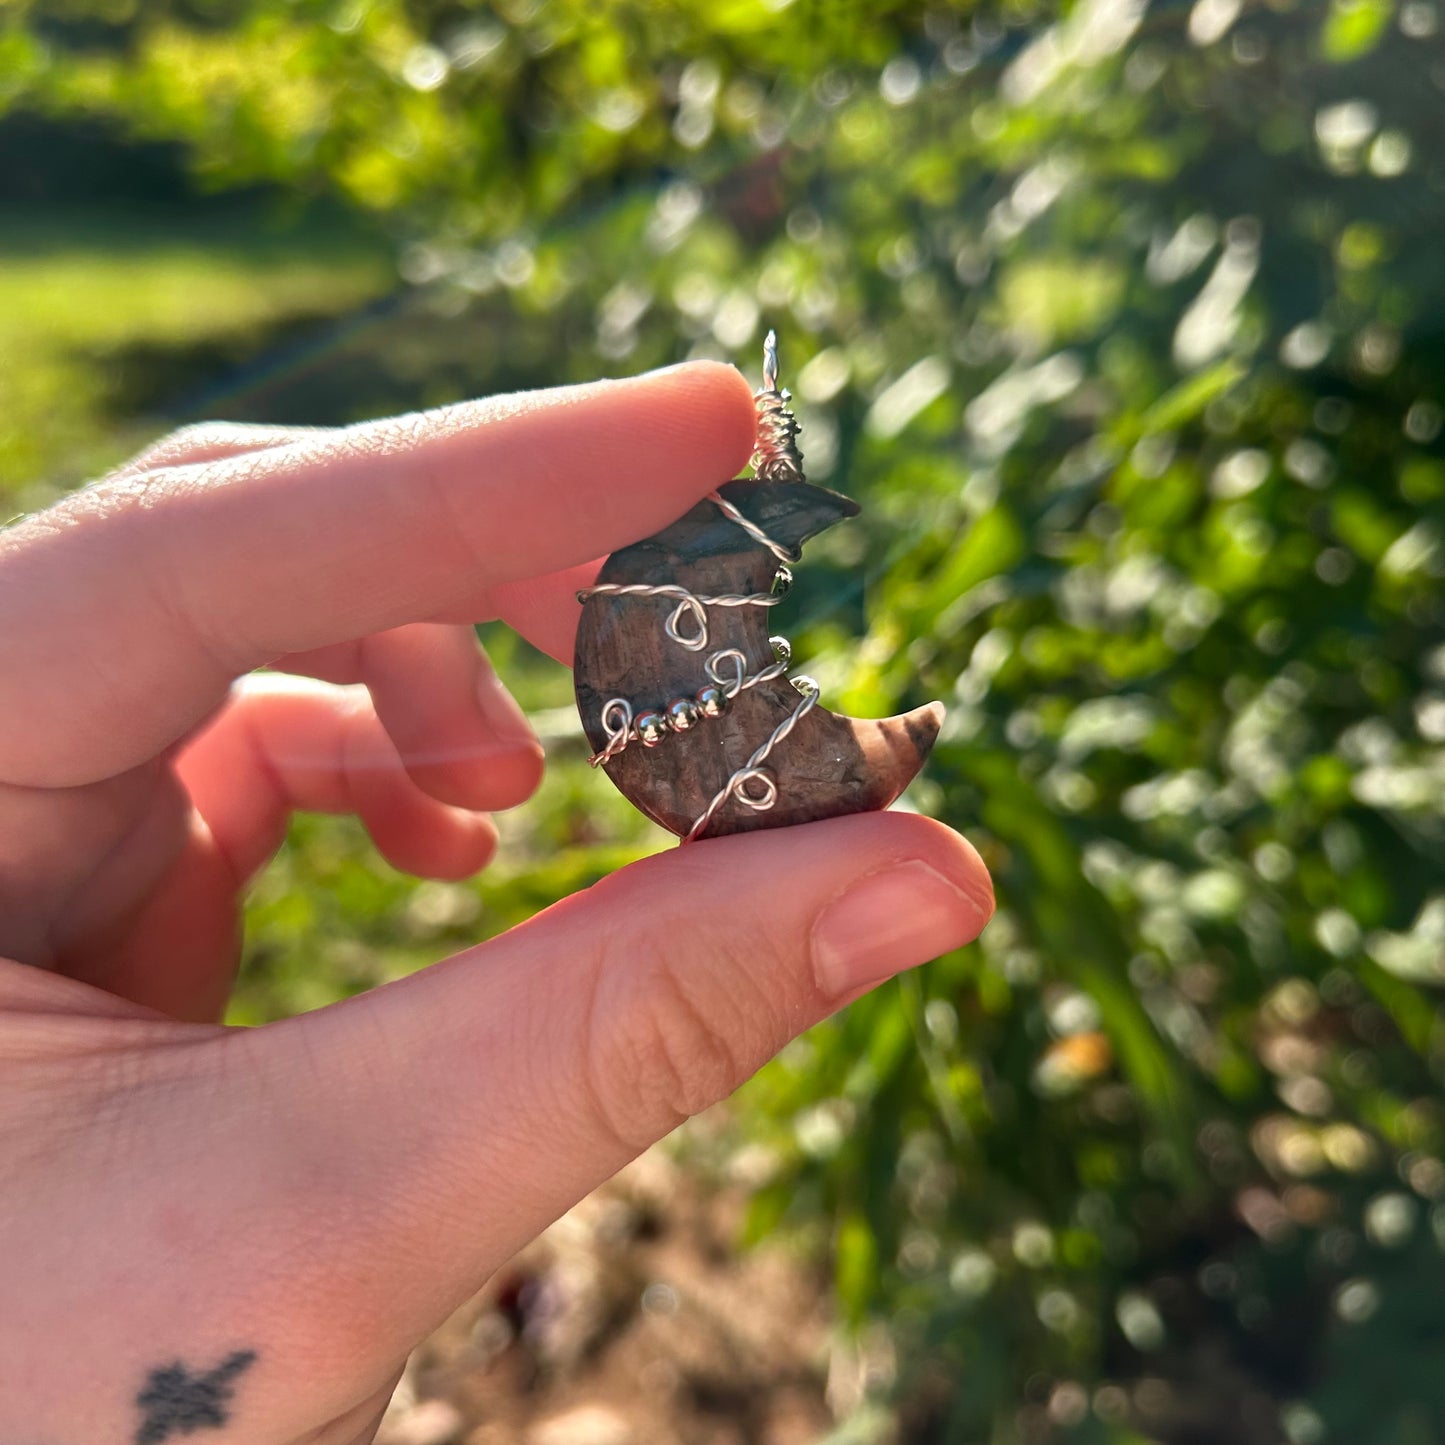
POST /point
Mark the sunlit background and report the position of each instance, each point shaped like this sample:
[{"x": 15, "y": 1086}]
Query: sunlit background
[{"x": 1126, "y": 324}]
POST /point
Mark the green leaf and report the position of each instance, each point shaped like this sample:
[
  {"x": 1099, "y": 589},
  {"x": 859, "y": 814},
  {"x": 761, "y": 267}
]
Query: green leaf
[
  {"x": 1186, "y": 401},
  {"x": 1353, "y": 28},
  {"x": 856, "y": 1267}
]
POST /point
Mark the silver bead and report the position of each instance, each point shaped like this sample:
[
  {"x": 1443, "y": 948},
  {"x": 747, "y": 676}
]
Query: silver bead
[
  {"x": 782, "y": 582},
  {"x": 682, "y": 713},
  {"x": 652, "y": 727},
  {"x": 782, "y": 650},
  {"x": 807, "y": 686},
  {"x": 712, "y": 701}
]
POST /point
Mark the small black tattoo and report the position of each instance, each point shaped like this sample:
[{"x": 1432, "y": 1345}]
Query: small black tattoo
[{"x": 176, "y": 1401}]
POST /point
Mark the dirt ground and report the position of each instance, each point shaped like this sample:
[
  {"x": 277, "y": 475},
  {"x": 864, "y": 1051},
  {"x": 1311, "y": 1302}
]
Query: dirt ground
[{"x": 634, "y": 1320}]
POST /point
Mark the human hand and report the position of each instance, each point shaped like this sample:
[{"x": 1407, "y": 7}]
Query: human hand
[{"x": 242, "y": 1233}]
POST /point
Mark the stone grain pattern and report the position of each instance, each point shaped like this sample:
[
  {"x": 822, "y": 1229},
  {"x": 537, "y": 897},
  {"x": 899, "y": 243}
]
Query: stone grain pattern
[{"x": 827, "y": 766}]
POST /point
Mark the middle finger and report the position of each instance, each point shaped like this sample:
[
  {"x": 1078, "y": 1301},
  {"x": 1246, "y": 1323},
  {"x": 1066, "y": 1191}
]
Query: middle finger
[{"x": 459, "y": 733}]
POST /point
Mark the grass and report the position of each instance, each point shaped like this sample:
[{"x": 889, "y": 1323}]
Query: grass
[{"x": 108, "y": 318}]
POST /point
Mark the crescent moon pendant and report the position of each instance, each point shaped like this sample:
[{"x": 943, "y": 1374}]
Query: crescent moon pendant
[{"x": 822, "y": 765}]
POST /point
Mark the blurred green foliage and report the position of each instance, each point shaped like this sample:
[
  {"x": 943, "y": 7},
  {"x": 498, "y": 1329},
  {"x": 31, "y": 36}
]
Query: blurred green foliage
[{"x": 1124, "y": 322}]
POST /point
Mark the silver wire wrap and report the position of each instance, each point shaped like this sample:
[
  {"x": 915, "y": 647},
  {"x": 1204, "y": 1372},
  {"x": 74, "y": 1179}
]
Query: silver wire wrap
[
  {"x": 690, "y": 604},
  {"x": 752, "y": 772},
  {"x": 617, "y": 713},
  {"x": 776, "y": 458},
  {"x": 740, "y": 681},
  {"x": 782, "y": 553}
]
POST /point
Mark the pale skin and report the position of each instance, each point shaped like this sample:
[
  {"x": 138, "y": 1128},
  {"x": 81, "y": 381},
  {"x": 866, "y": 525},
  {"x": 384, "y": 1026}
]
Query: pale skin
[{"x": 238, "y": 1235}]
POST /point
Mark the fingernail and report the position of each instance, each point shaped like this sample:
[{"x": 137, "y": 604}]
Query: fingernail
[
  {"x": 505, "y": 720},
  {"x": 891, "y": 921}
]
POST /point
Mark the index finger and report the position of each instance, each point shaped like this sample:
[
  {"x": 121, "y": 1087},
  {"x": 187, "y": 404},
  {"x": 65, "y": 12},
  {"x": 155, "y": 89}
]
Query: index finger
[{"x": 130, "y": 606}]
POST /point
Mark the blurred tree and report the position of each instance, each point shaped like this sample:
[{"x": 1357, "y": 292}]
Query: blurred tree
[{"x": 1124, "y": 322}]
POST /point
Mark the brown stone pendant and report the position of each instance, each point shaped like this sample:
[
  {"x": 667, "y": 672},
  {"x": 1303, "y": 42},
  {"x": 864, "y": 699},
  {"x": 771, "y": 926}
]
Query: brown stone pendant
[{"x": 685, "y": 697}]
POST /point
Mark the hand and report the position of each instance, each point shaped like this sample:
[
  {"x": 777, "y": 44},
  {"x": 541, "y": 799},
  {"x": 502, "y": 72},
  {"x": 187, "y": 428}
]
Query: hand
[{"x": 242, "y": 1233}]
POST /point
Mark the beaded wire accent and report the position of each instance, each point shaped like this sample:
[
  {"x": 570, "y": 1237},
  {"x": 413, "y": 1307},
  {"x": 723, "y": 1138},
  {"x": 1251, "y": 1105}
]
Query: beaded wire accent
[{"x": 777, "y": 459}]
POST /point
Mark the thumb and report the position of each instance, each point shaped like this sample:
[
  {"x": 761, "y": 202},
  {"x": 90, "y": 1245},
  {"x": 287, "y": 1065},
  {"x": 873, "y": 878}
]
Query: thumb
[{"x": 481, "y": 1098}]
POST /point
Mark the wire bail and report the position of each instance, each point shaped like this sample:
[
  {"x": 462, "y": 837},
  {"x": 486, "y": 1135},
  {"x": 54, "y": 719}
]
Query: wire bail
[{"x": 777, "y": 457}]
